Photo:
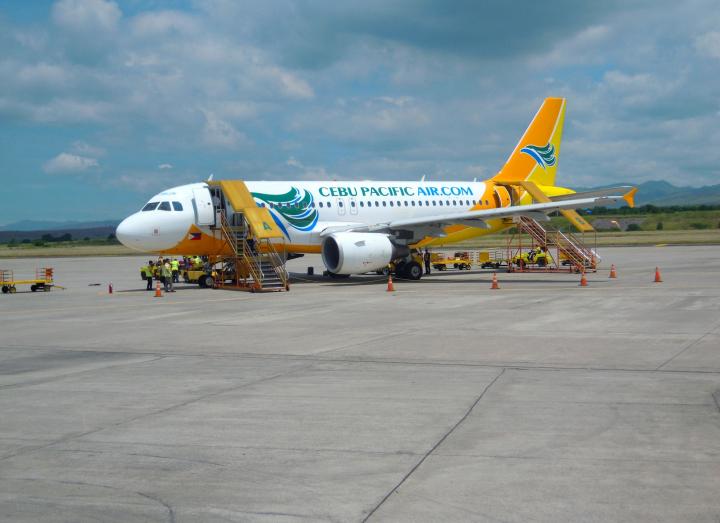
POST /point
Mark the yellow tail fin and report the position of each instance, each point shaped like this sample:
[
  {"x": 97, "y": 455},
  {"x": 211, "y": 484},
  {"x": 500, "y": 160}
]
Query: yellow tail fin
[{"x": 535, "y": 157}]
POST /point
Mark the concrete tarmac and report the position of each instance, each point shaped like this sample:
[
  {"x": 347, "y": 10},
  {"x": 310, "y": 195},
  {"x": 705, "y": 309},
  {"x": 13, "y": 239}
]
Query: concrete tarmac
[{"x": 339, "y": 401}]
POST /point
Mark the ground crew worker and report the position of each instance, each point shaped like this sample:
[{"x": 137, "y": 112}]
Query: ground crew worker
[
  {"x": 175, "y": 267},
  {"x": 426, "y": 259},
  {"x": 148, "y": 273},
  {"x": 166, "y": 270}
]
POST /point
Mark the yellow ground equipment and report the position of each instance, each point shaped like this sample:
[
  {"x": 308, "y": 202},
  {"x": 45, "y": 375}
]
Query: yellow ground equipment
[
  {"x": 460, "y": 261},
  {"x": 43, "y": 281},
  {"x": 491, "y": 259},
  {"x": 536, "y": 256},
  {"x": 201, "y": 277},
  {"x": 400, "y": 271}
]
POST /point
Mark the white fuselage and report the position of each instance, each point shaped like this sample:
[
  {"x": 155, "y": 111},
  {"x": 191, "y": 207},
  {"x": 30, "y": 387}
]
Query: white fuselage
[{"x": 301, "y": 209}]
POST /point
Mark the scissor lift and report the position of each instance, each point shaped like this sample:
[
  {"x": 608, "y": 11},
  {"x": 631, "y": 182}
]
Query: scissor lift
[{"x": 43, "y": 281}]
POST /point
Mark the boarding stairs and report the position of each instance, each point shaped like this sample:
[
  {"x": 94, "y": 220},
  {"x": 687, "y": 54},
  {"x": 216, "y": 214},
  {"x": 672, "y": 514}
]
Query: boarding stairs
[
  {"x": 254, "y": 264},
  {"x": 569, "y": 247}
]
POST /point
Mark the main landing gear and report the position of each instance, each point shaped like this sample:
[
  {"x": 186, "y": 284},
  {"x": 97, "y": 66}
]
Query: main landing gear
[{"x": 410, "y": 270}]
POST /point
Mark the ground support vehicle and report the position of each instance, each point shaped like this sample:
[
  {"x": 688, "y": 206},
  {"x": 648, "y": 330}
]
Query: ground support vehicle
[
  {"x": 535, "y": 256},
  {"x": 204, "y": 278},
  {"x": 491, "y": 259},
  {"x": 43, "y": 281},
  {"x": 411, "y": 269},
  {"x": 460, "y": 261}
]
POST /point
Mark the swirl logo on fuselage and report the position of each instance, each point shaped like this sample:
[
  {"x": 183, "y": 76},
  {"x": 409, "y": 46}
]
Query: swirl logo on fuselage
[
  {"x": 295, "y": 206},
  {"x": 544, "y": 156}
]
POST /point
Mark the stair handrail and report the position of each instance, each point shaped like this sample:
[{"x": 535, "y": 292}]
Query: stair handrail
[
  {"x": 242, "y": 250},
  {"x": 277, "y": 263},
  {"x": 251, "y": 260},
  {"x": 572, "y": 248}
]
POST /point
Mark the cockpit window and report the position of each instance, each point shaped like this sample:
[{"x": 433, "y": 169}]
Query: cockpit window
[
  {"x": 150, "y": 206},
  {"x": 177, "y": 206},
  {"x": 164, "y": 206}
]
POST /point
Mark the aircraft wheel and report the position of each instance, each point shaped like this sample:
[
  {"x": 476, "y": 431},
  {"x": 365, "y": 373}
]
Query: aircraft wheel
[
  {"x": 33, "y": 287},
  {"x": 207, "y": 281},
  {"x": 412, "y": 271},
  {"x": 5, "y": 289}
]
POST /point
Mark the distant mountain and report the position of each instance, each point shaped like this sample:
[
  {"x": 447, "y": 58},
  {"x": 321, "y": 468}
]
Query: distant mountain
[
  {"x": 662, "y": 193},
  {"x": 37, "y": 225}
]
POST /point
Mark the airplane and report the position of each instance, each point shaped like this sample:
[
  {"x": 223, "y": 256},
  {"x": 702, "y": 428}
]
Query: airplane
[{"x": 363, "y": 226}]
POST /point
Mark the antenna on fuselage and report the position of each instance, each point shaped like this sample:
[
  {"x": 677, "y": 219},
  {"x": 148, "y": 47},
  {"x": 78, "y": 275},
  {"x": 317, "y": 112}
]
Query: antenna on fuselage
[
  {"x": 475, "y": 180},
  {"x": 210, "y": 177},
  {"x": 422, "y": 179}
]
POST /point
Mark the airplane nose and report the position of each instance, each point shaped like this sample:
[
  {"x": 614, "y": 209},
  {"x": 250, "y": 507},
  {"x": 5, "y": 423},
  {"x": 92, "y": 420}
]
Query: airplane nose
[
  {"x": 123, "y": 232},
  {"x": 130, "y": 232}
]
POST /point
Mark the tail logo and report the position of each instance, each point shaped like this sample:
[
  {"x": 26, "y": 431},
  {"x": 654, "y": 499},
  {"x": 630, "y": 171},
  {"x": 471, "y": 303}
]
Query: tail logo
[{"x": 544, "y": 156}]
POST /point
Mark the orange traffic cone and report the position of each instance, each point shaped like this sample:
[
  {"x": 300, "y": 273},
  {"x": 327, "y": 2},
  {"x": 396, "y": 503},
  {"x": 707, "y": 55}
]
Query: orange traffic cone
[
  {"x": 613, "y": 272},
  {"x": 583, "y": 280},
  {"x": 658, "y": 279},
  {"x": 494, "y": 282},
  {"x": 158, "y": 292},
  {"x": 110, "y": 288},
  {"x": 391, "y": 287}
]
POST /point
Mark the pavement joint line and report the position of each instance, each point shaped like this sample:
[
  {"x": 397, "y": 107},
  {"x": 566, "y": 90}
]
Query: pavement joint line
[
  {"x": 434, "y": 447},
  {"x": 692, "y": 343},
  {"x": 296, "y": 357},
  {"x": 50, "y": 379},
  {"x": 69, "y": 437},
  {"x": 715, "y": 399},
  {"x": 360, "y": 343},
  {"x": 157, "y": 499}
]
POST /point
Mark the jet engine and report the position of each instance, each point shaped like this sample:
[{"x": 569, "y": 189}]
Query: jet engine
[{"x": 359, "y": 252}]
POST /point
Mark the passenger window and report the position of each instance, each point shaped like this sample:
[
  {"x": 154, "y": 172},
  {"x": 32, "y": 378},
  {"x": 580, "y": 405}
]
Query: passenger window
[
  {"x": 413, "y": 203},
  {"x": 440, "y": 203},
  {"x": 352, "y": 203},
  {"x": 328, "y": 204},
  {"x": 320, "y": 204},
  {"x": 406, "y": 203},
  {"x": 377, "y": 204},
  {"x": 447, "y": 202},
  {"x": 391, "y": 204},
  {"x": 384, "y": 203},
  {"x": 150, "y": 206},
  {"x": 340, "y": 204},
  {"x": 164, "y": 206},
  {"x": 177, "y": 206}
]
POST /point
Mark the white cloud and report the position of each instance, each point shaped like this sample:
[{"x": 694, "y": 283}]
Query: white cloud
[
  {"x": 162, "y": 22},
  {"x": 86, "y": 15},
  {"x": 84, "y": 149},
  {"x": 66, "y": 163},
  {"x": 709, "y": 44},
  {"x": 219, "y": 133},
  {"x": 165, "y": 166}
]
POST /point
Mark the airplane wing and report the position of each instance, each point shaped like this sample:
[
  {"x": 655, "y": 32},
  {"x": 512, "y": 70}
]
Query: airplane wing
[
  {"x": 433, "y": 225},
  {"x": 626, "y": 190}
]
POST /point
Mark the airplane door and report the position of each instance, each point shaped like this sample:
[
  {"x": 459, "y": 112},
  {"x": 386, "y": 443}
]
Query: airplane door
[
  {"x": 340, "y": 202},
  {"x": 353, "y": 206},
  {"x": 204, "y": 213}
]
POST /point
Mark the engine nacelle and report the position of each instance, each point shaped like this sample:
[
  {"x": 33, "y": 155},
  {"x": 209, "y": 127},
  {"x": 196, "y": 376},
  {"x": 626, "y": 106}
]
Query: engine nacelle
[{"x": 358, "y": 252}]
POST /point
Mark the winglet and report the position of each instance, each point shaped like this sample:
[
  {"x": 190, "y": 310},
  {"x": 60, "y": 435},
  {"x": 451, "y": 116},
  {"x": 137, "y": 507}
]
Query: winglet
[{"x": 629, "y": 197}]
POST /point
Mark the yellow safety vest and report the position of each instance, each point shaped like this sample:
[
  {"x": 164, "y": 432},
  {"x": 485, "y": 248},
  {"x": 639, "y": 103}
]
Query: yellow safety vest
[{"x": 175, "y": 265}]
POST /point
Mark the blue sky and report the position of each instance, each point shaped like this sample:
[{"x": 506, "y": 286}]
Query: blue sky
[{"x": 104, "y": 103}]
